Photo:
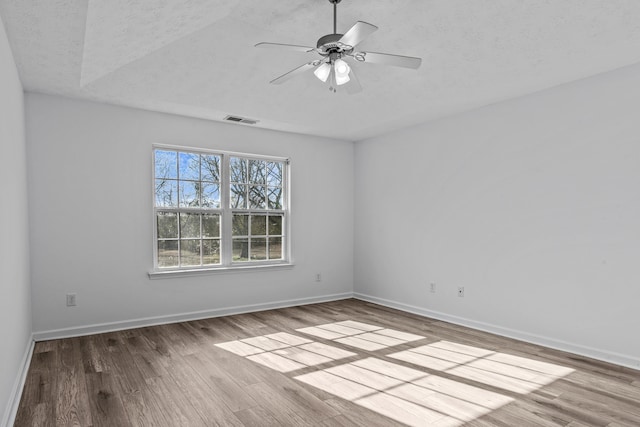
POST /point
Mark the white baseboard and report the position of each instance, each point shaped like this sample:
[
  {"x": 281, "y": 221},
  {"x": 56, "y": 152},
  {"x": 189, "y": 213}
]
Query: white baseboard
[
  {"x": 603, "y": 355},
  {"x": 182, "y": 317},
  {"x": 16, "y": 393}
]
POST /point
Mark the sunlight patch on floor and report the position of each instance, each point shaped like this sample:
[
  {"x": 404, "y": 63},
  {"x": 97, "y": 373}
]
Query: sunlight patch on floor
[
  {"x": 404, "y": 394},
  {"x": 508, "y": 372},
  {"x": 360, "y": 335},
  {"x": 285, "y": 352}
]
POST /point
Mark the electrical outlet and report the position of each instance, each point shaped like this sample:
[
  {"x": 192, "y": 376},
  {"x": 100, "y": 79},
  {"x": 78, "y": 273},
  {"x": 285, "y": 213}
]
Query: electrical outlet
[
  {"x": 318, "y": 277},
  {"x": 71, "y": 300},
  {"x": 432, "y": 288},
  {"x": 461, "y": 291}
]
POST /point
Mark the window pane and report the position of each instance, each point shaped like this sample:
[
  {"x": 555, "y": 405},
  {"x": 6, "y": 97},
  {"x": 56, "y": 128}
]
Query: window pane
[
  {"x": 166, "y": 193},
  {"x": 210, "y": 168},
  {"x": 166, "y": 164},
  {"x": 275, "y": 247},
  {"x": 211, "y": 251},
  {"x": 240, "y": 225},
  {"x": 274, "y": 173},
  {"x": 167, "y": 223},
  {"x": 238, "y": 196},
  {"x": 258, "y": 249},
  {"x": 210, "y": 225},
  {"x": 258, "y": 225},
  {"x": 240, "y": 249},
  {"x": 275, "y": 197},
  {"x": 189, "y": 252},
  {"x": 167, "y": 253},
  {"x": 257, "y": 172},
  {"x": 275, "y": 225},
  {"x": 189, "y": 166},
  {"x": 238, "y": 169},
  {"x": 189, "y": 225},
  {"x": 189, "y": 194},
  {"x": 257, "y": 197},
  {"x": 211, "y": 196}
]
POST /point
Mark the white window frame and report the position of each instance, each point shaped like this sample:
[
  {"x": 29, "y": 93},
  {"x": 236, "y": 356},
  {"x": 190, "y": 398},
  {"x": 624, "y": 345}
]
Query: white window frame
[{"x": 226, "y": 216}]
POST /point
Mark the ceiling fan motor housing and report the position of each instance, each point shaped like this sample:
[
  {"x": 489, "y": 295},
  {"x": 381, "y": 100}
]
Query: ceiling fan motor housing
[
  {"x": 330, "y": 41},
  {"x": 330, "y": 44}
]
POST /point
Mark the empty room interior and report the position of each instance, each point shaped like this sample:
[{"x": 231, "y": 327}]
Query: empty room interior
[{"x": 321, "y": 212}]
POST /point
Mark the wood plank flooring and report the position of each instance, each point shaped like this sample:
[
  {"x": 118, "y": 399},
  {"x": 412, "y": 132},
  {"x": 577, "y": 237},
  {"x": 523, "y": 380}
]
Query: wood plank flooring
[{"x": 344, "y": 363}]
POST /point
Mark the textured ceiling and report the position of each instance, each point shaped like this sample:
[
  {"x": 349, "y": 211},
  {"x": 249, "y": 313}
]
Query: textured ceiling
[{"x": 197, "y": 57}]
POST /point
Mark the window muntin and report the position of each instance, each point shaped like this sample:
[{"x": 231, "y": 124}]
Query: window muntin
[{"x": 195, "y": 228}]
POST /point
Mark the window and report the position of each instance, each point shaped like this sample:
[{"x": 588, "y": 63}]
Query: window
[{"x": 218, "y": 209}]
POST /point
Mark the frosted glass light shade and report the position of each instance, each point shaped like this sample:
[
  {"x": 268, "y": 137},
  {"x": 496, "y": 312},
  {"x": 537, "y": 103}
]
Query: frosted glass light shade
[
  {"x": 342, "y": 70},
  {"x": 322, "y": 72}
]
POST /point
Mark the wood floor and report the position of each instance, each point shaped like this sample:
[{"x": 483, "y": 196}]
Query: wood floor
[{"x": 344, "y": 363}]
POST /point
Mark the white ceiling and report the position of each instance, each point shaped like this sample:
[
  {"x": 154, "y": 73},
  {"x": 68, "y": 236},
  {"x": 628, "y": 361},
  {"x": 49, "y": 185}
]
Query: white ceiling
[{"x": 197, "y": 57}]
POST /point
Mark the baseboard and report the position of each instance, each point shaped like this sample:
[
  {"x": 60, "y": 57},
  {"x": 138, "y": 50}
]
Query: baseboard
[
  {"x": 181, "y": 317},
  {"x": 593, "y": 353},
  {"x": 16, "y": 393}
]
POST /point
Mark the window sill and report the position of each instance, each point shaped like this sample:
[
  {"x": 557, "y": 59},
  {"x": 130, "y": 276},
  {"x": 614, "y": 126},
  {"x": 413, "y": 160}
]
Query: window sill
[{"x": 170, "y": 274}]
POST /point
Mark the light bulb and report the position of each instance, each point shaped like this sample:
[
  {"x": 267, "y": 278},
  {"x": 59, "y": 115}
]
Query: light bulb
[
  {"x": 322, "y": 71},
  {"x": 342, "y": 71}
]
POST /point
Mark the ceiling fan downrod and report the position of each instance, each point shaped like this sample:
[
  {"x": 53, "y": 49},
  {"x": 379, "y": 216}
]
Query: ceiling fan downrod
[{"x": 335, "y": 15}]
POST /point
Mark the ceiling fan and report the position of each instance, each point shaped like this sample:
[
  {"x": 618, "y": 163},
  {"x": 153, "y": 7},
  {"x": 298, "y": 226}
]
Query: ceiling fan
[{"x": 334, "y": 49}]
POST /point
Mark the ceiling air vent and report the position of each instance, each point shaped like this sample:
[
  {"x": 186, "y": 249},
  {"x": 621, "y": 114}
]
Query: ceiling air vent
[{"x": 239, "y": 119}]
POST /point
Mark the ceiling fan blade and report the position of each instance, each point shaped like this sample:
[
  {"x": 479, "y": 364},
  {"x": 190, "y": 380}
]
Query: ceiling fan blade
[
  {"x": 301, "y": 69},
  {"x": 294, "y": 47},
  {"x": 360, "y": 31},
  {"x": 353, "y": 86},
  {"x": 388, "y": 59}
]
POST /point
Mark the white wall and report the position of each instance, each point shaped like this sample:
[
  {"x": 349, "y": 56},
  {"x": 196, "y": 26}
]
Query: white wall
[
  {"x": 532, "y": 205},
  {"x": 91, "y": 223},
  {"x": 15, "y": 300}
]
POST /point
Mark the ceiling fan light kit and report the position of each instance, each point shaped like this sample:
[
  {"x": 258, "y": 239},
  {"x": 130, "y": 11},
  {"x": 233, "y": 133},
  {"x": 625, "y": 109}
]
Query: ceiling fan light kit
[{"x": 335, "y": 50}]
